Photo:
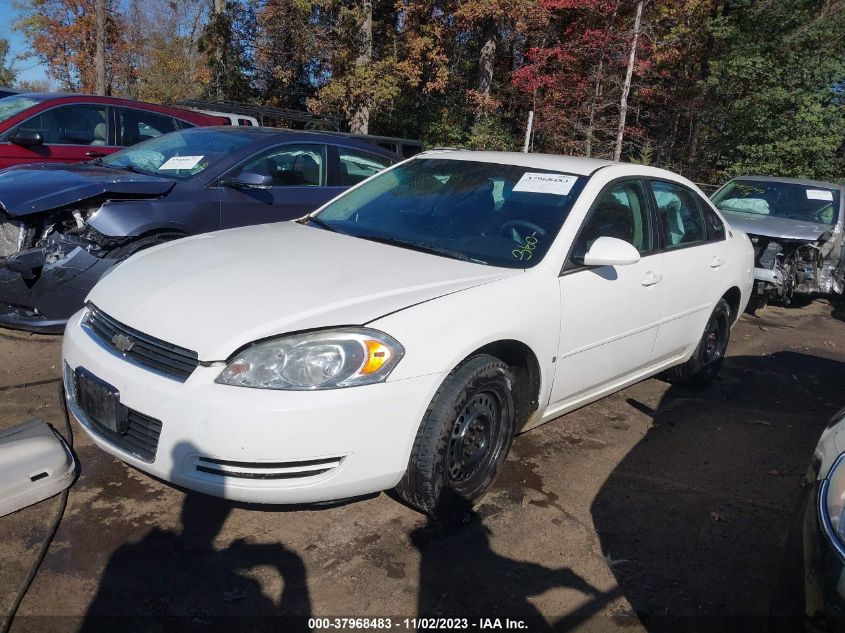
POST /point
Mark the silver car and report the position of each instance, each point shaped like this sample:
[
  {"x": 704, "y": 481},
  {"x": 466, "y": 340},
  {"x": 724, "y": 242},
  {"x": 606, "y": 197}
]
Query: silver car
[{"x": 796, "y": 227}]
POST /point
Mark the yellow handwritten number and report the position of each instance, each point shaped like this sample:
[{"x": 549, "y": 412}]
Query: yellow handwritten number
[{"x": 526, "y": 251}]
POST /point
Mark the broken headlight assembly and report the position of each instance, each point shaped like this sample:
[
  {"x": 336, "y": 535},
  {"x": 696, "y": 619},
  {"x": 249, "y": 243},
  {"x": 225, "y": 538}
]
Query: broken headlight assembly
[
  {"x": 831, "y": 505},
  {"x": 327, "y": 359}
]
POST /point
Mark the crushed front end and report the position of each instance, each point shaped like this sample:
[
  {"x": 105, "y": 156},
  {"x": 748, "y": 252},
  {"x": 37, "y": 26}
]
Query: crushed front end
[
  {"x": 48, "y": 263},
  {"x": 784, "y": 267}
]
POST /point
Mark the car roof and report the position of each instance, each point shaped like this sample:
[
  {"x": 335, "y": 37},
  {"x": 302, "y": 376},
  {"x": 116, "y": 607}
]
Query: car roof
[
  {"x": 280, "y": 135},
  {"x": 570, "y": 164},
  {"x": 793, "y": 181},
  {"x": 184, "y": 113}
]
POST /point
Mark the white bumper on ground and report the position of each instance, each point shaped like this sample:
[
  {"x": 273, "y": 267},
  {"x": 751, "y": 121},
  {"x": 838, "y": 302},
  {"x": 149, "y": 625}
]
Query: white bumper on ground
[{"x": 257, "y": 445}]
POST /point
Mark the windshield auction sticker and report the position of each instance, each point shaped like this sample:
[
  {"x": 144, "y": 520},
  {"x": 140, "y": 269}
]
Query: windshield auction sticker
[
  {"x": 557, "y": 184},
  {"x": 820, "y": 194},
  {"x": 181, "y": 162}
]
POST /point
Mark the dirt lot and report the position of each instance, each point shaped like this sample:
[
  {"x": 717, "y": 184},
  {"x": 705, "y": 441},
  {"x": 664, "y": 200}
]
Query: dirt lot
[{"x": 654, "y": 504}]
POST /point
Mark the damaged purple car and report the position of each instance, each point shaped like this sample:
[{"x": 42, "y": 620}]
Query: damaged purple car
[
  {"x": 796, "y": 227},
  {"x": 62, "y": 227}
]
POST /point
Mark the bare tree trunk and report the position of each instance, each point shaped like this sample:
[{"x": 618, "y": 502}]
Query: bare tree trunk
[
  {"x": 591, "y": 126},
  {"x": 360, "y": 121},
  {"x": 218, "y": 10},
  {"x": 100, "y": 54},
  {"x": 626, "y": 88},
  {"x": 487, "y": 59}
]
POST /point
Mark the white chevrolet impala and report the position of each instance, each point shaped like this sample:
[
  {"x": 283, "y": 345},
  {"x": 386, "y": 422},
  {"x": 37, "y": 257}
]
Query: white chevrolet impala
[{"x": 402, "y": 335}]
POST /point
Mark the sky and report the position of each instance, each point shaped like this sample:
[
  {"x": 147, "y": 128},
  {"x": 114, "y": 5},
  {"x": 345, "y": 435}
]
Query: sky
[{"x": 28, "y": 69}]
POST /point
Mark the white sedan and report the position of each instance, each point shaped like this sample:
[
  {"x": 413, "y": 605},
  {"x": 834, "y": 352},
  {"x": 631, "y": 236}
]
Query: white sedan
[{"x": 404, "y": 333}]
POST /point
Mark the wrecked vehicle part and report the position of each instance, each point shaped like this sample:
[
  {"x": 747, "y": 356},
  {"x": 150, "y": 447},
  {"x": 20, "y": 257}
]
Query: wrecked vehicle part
[
  {"x": 49, "y": 261},
  {"x": 786, "y": 267},
  {"x": 51, "y": 271},
  {"x": 71, "y": 185},
  {"x": 796, "y": 227}
]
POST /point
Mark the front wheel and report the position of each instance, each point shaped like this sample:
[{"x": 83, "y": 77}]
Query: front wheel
[
  {"x": 463, "y": 439},
  {"x": 704, "y": 364}
]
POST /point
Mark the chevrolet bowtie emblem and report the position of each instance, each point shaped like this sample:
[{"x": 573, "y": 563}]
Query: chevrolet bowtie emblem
[{"x": 123, "y": 343}]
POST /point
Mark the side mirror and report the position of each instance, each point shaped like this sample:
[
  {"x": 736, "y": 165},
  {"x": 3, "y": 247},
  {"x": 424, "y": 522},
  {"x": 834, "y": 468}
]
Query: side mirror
[
  {"x": 27, "y": 138},
  {"x": 249, "y": 180},
  {"x": 610, "y": 251}
]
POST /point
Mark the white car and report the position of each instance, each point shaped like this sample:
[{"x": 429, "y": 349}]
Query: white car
[{"x": 404, "y": 333}]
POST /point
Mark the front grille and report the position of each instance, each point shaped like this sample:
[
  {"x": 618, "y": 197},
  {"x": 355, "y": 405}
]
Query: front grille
[
  {"x": 267, "y": 470},
  {"x": 140, "y": 439},
  {"x": 142, "y": 433},
  {"x": 164, "y": 358}
]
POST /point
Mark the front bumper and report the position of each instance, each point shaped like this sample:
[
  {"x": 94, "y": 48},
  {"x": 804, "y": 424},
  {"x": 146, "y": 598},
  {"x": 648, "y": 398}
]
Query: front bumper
[
  {"x": 824, "y": 570},
  {"x": 44, "y": 303},
  {"x": 256, "y": 445}
]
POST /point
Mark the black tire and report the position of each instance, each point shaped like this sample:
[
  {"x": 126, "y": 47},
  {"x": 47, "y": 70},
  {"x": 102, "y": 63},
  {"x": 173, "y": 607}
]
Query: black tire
[
  {"x": 704, "y": 364},
  {"x": 463, "y": 440},
  {"x": 756, "y": 302}
]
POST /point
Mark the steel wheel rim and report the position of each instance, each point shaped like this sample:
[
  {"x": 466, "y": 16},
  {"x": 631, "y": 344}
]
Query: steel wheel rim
[
  {"x": 475, "y": 440},
  {"x": 715, "y": 340}
]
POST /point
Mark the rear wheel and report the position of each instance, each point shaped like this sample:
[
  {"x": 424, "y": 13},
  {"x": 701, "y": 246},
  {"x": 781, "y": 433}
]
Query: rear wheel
[
  {"x": 704, "y": 364},
  {"x": 464, "y": 438},
  {"x": 756, "y": 302}
]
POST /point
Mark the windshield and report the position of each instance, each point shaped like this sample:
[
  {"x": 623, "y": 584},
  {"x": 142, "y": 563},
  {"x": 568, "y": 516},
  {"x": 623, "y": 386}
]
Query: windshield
[
  {"x": 179, "y": 154},
  {"x": 501, "y": 215},
  {"x": 10, "y": 106},
  {"x": 809, "y": 203}
]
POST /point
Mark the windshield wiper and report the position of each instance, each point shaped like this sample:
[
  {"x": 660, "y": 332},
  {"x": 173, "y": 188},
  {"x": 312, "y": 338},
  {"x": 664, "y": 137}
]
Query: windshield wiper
[
  {"x": 99, "y": 162},
  {"x": 134, "y": 169},
  {"x": 422, "y": 248}
]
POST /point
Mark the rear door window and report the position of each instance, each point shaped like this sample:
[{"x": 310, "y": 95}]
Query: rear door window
[
  {"x": 679, "y": 213},
  {"x": 141, "y": 125},
  {"x": 356, "y": 165}
]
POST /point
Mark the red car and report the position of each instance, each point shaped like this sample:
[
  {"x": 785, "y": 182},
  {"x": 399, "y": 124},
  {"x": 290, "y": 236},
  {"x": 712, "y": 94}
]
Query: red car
[{"x": 66, "y": 128}]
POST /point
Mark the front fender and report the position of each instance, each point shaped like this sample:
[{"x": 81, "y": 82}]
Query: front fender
[
  {"x": 439, "y": 334},
  {"x": 131, "y": 218}
]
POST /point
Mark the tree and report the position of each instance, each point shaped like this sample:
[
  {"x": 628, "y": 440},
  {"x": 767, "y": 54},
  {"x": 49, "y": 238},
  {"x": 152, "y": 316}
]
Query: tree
[
  {"x": 7, "y": 73},
  {"x": 291, "y": 51},
  {"x": 360, "y": 119},
  {"x": 62, "y": 36},
  {"x": 626, "y": 87},
  {"x": 225, "y": 42},
  {"x": 363, "y": 76},
  {"x": 575, "y": 78},
  {"x": 100, "y": 52},
  {"x": 775, "y": 102}
]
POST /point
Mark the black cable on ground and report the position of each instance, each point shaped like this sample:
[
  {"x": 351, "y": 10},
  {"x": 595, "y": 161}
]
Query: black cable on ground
[{"x": 48, "y": 539}]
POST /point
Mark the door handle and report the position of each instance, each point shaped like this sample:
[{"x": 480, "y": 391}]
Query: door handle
[
  {"x": 716, "y": 262},
  {"x": 652, "y": 278},
  {"x": 95, "y": 154}
]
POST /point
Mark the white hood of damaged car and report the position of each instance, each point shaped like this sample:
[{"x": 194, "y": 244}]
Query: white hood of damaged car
[
  {"x": 216, "y": 292},
  {"x": 770, "y": 226}
]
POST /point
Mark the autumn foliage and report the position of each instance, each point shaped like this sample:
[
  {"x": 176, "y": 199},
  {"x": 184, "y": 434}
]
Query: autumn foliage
[{"x": 716, "y": 86}]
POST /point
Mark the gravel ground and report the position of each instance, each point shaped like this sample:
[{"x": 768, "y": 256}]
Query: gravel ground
[{"x": 653, "y": 508}]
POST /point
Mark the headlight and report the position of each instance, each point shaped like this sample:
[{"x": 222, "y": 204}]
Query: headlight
[
  {"x": 328, "y": 359},
  {"x": 832, "y": 505}
]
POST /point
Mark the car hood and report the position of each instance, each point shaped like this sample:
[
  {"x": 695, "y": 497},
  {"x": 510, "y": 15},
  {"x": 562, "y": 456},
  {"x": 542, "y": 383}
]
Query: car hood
[
  {"x": 27, "y": 189},
  {"x": 783, "y": 228},
  {"x": 214, "y": 293}
]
